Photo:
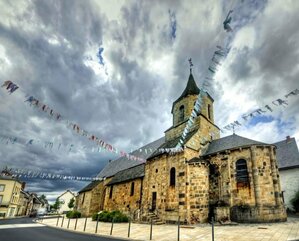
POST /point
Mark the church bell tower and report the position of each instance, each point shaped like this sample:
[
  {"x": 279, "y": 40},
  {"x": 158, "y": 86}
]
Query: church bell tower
[{"x": 182, "y": 108}]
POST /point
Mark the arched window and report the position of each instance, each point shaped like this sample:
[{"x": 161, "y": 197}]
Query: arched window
[
  {"x": 242, "y": 172},
  {"x": 83, "y": 197},
  {"x": 209, "y": 111},
  {"x": 132, "y": 189},
  {"x": 172, "y": 176},
  {"x": 182, "y": 113},
  {"x": 111, "y": 191}
]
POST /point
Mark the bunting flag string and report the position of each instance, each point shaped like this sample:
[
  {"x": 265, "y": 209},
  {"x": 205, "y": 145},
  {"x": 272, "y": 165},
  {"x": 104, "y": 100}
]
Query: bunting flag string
[
  {"x": 231, "y": 126},
  {"x": 248, "y": 117},
  {"x": 24, "y": 173},
  {"x": 69, "y": 147},
  {"x": 50, "y": 145},
  {"x": 34, "y": 102},
  {"x": 260, "y": 111},
  {"x": 10, "y": 86}
]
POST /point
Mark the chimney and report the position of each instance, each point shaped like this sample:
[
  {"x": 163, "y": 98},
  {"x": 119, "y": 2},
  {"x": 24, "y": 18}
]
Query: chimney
[
  {"x": 288, "y": 139},
  {"x": 23, "y": 185}
]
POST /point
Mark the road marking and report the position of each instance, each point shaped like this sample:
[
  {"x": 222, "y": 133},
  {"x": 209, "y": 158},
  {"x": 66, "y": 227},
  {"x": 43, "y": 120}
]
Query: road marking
[{"x": 28, "y": 225}]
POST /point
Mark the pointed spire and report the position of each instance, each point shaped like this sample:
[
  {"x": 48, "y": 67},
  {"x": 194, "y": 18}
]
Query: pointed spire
[{"x": 191, "y": 89}]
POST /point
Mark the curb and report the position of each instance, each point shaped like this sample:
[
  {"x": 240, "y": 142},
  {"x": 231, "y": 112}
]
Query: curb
[
  {"x": 92, "y": 234},
  {"x": 14, "y": 217}
]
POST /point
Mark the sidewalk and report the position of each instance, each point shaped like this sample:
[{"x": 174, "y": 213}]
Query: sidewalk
[{"x": 243, "y": 232}]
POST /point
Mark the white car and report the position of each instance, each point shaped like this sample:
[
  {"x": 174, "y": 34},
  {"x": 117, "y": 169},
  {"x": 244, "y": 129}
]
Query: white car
[{"x": 41, "y": 212}]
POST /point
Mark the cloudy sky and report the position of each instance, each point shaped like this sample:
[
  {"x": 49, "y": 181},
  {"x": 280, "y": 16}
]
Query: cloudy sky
[{"x": 115, "y": 67}]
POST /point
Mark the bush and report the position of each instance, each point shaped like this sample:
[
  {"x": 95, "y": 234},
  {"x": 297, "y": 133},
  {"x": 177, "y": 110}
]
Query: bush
[
  {"x": 73, "y": 214},
  {"x": 295, "y": 202},
  {"x": 106, "y": 216}
]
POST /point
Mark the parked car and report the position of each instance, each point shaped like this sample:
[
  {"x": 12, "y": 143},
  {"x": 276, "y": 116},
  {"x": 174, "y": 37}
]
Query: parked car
[
  {"x": 33, "y": 214},
  {"x": 42, "y": 212}
]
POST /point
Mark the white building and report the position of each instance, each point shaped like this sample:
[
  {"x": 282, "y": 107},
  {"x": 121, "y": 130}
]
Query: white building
[
  {"x": 288, "y": 161},
  {"x": 64, "y": 199}
]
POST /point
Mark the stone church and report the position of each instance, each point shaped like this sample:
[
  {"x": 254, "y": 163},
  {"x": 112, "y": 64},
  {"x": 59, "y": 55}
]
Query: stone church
[{"x": 230, "y": 178}]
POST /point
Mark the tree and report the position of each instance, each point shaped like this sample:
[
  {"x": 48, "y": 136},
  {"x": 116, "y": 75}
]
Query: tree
[
  {"x": 71, "y": 204},
  {"x": 295, "y": 201},
  {"x": 43, "y": 198},
  {"x": 56, "y": 205}
]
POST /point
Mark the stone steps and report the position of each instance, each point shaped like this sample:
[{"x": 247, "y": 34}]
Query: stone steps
[{"x": 155, "y": 218}]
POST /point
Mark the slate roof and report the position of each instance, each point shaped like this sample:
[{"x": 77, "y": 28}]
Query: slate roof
[
  {"x": 287, "y": 154},
  {"x": 194, "y": 160},
  {"x": 191, "y": 89},
  {"x": 128, "y": 174},
  {"x": 90, "y": 186},
  {"x": 123, "y": 163},
  {"x": 35, "y": 198},
  {"x": 26, "y": 194},
  {"x": 230, "y": 142},
  {"x": 171, "y": 144}
]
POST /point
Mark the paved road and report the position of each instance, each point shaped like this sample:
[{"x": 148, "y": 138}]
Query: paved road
[{"x": 24, "y": 229}]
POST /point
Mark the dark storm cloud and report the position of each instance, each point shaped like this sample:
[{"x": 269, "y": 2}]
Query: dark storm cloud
[
  {"x": 275, "y": 55},
  {"x": 56, "y": 75}
]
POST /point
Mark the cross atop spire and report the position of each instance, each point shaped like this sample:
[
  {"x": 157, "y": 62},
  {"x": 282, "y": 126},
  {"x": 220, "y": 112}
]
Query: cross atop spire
[{"x": 191, "y": 65}]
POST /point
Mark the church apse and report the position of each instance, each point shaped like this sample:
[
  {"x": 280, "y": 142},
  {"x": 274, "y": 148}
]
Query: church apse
[{"x": 244, "y": 180}]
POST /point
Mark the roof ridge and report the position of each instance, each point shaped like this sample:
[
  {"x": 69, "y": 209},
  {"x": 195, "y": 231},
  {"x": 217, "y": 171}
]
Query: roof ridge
[
  {"x": 230, "y": 142},
  {"x": 122, "y": 163}
]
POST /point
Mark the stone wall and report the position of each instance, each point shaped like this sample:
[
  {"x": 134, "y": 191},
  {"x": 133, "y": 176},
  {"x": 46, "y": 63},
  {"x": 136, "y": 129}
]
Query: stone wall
[
  {"x": 222, "y": 214},
  {"x": 247, "y": 214},
  {"x": 83, "y": 203},
  {"x": 121, "y": 196},
  {"x": 188, "y": 104},
  {"x": 98, "y": 197},
  {"x": 170, "y": 199},
  {"x": 176, "y": 131},
  {"x": 198, "y": 192},
  {"x": 203, "y": 122},
  {"x": 188, "y": 198}
]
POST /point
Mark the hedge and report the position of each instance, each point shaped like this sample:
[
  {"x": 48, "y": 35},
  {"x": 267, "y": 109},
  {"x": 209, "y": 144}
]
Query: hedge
[
  {"x": 73, "y": 214},
  {"x": 106, "y": 216}
]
